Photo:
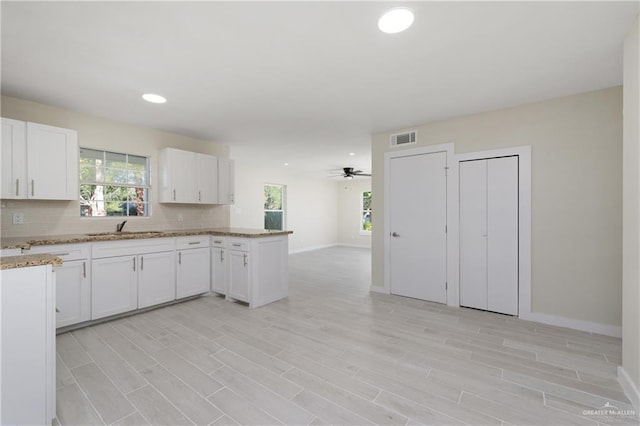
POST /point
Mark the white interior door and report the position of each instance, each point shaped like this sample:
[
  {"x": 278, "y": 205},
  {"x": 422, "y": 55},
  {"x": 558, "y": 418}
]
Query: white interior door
[
  {"x": 502, "y": 241},
  {"x": 418, "y": 218},
  {"x": 473, "y": 234},
  {"x": 489, "y": 234}
]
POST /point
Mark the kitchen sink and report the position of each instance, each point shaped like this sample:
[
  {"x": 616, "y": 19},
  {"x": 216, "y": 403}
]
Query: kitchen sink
[{"x": 102, "y": 234}]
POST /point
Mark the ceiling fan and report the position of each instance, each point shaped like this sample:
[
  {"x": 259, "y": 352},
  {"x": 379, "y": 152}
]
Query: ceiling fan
[{"x": 350, "y": 173}]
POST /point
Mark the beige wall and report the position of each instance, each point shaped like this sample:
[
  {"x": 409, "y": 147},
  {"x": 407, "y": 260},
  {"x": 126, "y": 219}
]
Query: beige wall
[
  {"x": 631, "y": 209},
  {"x": 61, "y": 217},
  {"x": 576, "y": 145},
  {"x": 310, "y": 210},
  {"x": 349, "y": 204}
]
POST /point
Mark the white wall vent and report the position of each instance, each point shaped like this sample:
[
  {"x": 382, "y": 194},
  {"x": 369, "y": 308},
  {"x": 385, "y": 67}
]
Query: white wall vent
[{"x": 406, "y": 138}]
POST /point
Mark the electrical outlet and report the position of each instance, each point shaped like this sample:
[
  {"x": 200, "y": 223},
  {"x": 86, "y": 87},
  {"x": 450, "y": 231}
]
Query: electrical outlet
[
  {"x": 180, "y": 217},
  {"x": 18, "y": 218}
]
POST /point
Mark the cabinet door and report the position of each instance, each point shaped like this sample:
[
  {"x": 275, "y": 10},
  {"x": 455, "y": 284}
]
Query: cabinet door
[
  {"x": 238, "y": 275},
  {"x": 73, "y": 293},
  {"x": 52, "y": 163},
  {"x": 218, "y": 266},
  {"x": 194, "y": 269},
  {"x": 207, "y": 168},
  {"x": 226, "y": 181},
  {"x": 14, "y": 159},
  {"x": 114, "y": 286},
  {"x": 182, "y": 172},
  {"x": 156, "y": 279}
]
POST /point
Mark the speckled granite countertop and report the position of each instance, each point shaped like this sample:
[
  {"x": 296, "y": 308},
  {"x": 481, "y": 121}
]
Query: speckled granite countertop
[
  {"x": 26, "y": 242},
  {"x": 12, "y": 262}
]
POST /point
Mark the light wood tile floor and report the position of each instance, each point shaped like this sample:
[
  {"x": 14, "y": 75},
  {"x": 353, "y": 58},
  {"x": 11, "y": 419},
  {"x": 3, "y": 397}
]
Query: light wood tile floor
[{"x": 333, "y": 353}]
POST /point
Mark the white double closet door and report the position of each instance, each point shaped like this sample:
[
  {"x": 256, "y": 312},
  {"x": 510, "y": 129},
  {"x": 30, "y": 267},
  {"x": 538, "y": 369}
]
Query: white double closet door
[{"x": 489, "y": 234}]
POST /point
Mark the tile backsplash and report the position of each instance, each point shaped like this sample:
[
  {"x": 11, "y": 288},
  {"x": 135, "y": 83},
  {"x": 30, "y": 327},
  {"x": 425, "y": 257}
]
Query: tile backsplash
[{"x": 63, "y": 217}]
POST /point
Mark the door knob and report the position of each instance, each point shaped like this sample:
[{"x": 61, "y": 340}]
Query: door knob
[{"x": 395, "y": 235}]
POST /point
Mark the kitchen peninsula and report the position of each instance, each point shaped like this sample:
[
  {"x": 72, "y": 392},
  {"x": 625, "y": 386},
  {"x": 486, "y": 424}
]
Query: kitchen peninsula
[{"x": 106, "y": 274}]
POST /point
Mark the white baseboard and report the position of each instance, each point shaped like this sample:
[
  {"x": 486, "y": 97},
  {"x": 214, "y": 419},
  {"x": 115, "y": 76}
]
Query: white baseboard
[
  {"x": 302, "y": 250},
  {"x": 630, "y": 389},
  {"x": 354, "y": 245},
  {"x": 377, "y": 289},
  {"x": 588, "y": 326},
  {"x": 311, "y": 248}
]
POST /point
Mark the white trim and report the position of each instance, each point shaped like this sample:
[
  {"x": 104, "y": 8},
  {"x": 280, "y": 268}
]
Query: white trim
[
  {"x": 378, "y": 289},
  {"x": 452, "y": 216},
  {"x": 588, "y": 326},
  {"x": 630, "y": 389},
  {"x": 524, "y": 209},
  {"x": 324, "y": 246},
  {"x": 363, "y": 246}
]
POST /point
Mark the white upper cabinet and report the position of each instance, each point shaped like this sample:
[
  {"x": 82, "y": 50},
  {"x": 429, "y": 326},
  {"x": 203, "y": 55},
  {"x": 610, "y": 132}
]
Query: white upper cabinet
[
  {"x": 226, "y": 181},
  {"x": 38, "y": 161},
  {"x": 14, "y": 159},
  {"x": 207, "y": 180},
  {"x": 188, "y": 177},
  {"x": 177, "y": 176}
]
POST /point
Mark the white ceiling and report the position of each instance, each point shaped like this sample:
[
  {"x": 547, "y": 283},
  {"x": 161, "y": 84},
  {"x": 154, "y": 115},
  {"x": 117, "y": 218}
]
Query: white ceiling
[{"x": 305, "y": 82}]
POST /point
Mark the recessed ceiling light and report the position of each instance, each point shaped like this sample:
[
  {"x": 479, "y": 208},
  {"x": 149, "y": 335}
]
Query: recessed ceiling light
[
  {"x": 352, "y": 154},
  {"x": 395, "y": 20},
  {"x": 153, "y": 98},
  {"x": 286, "y": 164}
]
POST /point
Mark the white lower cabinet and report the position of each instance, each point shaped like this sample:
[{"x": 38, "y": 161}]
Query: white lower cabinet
[
  {"x": 73, "y": 293},
  {"x": 238, "y": 275},
  {"x": 27, "y": 339},
  {"x": 218, "y": 265},
  {"x": 156, "y": 282},
  {"x": 257, "y": 270},
  {"x": 114, "y": 285},
  {"x": 194, "y": 270},
  {"x": 127, "y": 275},
  {"x": 73, "y": 283}
]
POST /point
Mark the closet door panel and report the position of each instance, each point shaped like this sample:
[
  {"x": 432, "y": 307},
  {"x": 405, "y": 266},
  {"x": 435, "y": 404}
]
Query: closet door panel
[
  {"x": 502, "y": 226},
  {"x": 473, "y": 234}
]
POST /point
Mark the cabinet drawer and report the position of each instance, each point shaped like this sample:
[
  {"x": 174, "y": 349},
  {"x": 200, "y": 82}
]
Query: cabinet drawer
[
  {"x": 220, "y": 242},
  {"x": 238, "y": 244},
  {"x": 132, "y": 247},
  {"x": 195, "y": 241},
  {"x": 12, "y": 252},
  {"x": 64, "y": 251}
]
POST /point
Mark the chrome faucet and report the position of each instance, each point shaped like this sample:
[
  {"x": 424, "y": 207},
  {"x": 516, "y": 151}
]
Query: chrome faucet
[{"x": 120, "y": 226}]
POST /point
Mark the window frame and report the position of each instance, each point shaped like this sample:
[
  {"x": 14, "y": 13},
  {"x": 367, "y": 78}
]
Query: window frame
[
  {"x": 283, "y": 195},
  {"x": 146, "y": 187},
  {"x": 362, "y": 212}
]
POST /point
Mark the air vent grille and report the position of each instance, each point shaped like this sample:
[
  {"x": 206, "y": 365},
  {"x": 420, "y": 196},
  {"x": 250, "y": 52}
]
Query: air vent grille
[{"x": 406, "y": 138}]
